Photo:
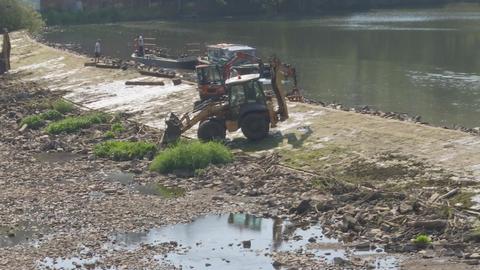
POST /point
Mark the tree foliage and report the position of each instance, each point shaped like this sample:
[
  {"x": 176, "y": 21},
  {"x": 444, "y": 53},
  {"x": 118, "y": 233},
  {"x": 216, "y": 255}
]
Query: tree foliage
[
  {"x": 152, "y": 9},
  {"x": 16, "y": 14}
]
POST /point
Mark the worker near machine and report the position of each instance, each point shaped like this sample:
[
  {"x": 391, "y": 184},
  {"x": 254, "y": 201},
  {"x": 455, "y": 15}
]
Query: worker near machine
[
  {"x": 98, "y": 51},
  {"x": 141, "y": 45},
  {"x": 6, "y": 50}
]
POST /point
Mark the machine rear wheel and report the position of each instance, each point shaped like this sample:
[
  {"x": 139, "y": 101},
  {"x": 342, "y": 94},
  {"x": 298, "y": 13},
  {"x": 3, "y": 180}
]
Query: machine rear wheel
[
  {"x": 255, "y": 126},
  {"x": 211, "y": 130}
]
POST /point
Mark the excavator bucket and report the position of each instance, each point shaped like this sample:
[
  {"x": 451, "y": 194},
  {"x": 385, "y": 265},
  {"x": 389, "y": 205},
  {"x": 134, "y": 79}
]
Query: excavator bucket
[{"x": 173, "y": 130}]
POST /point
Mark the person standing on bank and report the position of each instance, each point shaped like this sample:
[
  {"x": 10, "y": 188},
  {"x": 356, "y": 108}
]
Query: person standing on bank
[
  {"x": 141, "y": 45},
  {"x": 98, "y": 51}
]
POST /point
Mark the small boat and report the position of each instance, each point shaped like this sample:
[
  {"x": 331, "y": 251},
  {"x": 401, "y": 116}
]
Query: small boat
[
  {"x": 222, "y": 52},
  {"x": 187, "y": 62}
]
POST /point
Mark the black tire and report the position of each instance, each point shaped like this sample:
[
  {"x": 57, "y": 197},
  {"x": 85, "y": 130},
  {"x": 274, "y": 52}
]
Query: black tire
[
  {"x": 255, "y": 126},
  {"x": 211, "y": 130}
]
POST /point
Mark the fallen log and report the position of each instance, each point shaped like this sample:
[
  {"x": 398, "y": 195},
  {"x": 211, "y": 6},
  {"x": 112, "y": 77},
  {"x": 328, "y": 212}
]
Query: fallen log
[
  {"x": 144, "y": 83},
  {"x": 434, "y": 225},
  {"x": 449, "y": 194},
  {"x": 111, "y": 66}
]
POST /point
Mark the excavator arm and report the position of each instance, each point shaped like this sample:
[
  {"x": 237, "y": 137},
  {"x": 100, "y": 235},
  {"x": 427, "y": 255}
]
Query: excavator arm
[{"x": 280, "y": 72}]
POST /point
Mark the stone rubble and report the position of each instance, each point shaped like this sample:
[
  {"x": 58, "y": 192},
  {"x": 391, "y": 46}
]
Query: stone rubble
[{"x": 73, "y": 209}]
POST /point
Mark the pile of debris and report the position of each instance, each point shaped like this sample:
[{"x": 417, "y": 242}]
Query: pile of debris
[{"x": 373, "y": 215}]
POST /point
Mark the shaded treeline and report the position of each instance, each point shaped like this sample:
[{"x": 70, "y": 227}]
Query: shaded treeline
[
  {"x": 15, "y": 14},
  {"x": 87, "y": 11}
]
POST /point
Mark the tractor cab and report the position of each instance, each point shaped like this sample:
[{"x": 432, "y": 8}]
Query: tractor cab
[
  {"x": 248, "y": 106},
  {"x": 245, "y": 94},
  {"x": 210, "y": 81}
]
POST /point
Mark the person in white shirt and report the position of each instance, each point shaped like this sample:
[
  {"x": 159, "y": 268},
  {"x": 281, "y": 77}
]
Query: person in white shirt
[
  {"x": 98, "y": 51},
  {"x": 141, "y": 45}
]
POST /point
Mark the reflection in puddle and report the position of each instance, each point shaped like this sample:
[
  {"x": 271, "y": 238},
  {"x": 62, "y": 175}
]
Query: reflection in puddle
[
  {"x": 238, "y": 241},
  {"x": 56, "y": 157}
]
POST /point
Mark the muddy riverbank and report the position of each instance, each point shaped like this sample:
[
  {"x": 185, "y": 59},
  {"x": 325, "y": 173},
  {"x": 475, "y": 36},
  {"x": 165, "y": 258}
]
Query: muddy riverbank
[
  {"x": 64, "y": 207},
  {"x": 367, "y": 184}
]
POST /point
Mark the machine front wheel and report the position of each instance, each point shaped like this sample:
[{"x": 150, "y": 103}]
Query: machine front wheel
[
  {"x": 255, "y": 126},
  {"x": 211, "y": 130}
]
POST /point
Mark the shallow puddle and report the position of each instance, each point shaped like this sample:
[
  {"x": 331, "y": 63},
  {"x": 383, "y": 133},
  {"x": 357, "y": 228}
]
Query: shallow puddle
[
  {"x": 160, "y": 190},
  {"x": 10, "y": 237},
  {"x": 240, "y": 241},
  {"x": 71, "y": 263},
  {"x": 56, "y": 157},
  {"x": 156, "y": 189},
  {"x": 475, "y": 202},
  {"x": 121, "y": 177}
]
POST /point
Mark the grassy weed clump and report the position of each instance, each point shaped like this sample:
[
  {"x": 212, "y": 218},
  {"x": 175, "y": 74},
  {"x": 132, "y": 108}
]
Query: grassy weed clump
[
  {"x": 63, "y": 106},
  {"x": 117, "y": 128},
  {"x": 118, "y": 150},
  {"x": 37, "y": 121},
  {"x": 422, "y": 240},
  {"x": 109, "y": 135},
  {"x": 74, "y": 124},
  {"x": 52, "y": 115},
  {"x": 33, "y": 121},
  {"x": 191, "y": 156}
]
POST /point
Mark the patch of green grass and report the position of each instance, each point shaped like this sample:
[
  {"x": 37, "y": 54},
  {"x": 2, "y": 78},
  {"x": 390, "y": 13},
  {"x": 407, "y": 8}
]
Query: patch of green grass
[
  {"x": 315, "y": 159},
  {"x": 37, "y": 121},
  {"x": 323, "y": 183},
  {"x": 117, "y": 128},
  {"x": 52, "y": 115},
  {"x": 170, "y": 192},
  {"x": 191, "y": 156},
  {"x": 422, "y": 240},
  {"x": 119, "y": 150},
  {"x": 109, "y": 135},
  {"x": 63, "y": 106},
  {"x": 33, "y": 121},
  {"x": 74, "y": 124}
]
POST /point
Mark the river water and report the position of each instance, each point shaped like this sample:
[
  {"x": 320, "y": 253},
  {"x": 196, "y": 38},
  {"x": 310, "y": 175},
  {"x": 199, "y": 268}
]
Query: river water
[{"x": 423, "y": 62}]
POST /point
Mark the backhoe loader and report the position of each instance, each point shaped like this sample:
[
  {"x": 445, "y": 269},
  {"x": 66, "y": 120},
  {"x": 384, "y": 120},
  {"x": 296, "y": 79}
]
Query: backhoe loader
[{"x": 245, "y": 106}]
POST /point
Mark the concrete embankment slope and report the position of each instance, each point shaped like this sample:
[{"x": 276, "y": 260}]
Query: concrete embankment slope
[{"x": 312, "y": 135}]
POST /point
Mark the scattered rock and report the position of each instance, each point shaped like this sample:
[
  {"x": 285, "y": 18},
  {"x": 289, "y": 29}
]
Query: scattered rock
[
  {"x": 302, "y": 208},
  {"x": 247, "y": 244}
]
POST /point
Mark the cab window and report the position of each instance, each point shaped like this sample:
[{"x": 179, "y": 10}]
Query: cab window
[{"x": 237, "y": 95}]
